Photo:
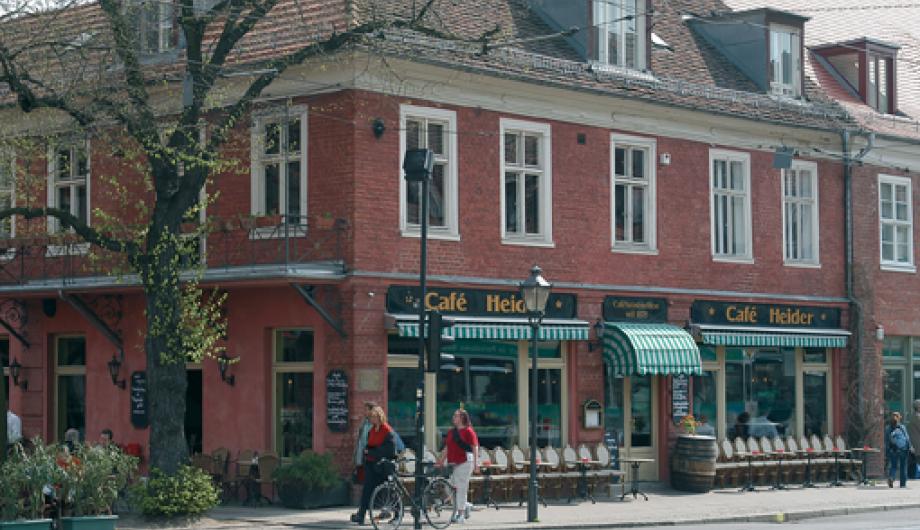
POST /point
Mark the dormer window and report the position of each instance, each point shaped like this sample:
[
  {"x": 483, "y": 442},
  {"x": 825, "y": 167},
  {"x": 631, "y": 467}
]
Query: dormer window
[
  {"x": 866, "y": 68},
  {"x": 153, "y": 24},
  {"x": 621, "y": 33},
  {"x": 785, "y": 61}
]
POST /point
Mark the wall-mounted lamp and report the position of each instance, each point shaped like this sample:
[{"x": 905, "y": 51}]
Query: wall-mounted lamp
[
  {"x": 378, "y": 127},
  {"x": 15, "y": 369},
  {"x": 598, "y": 336},
  {"x": 114, "y": 369},
  {"x": 880, "y": 332},
  {"x": 223, "y": 363}
]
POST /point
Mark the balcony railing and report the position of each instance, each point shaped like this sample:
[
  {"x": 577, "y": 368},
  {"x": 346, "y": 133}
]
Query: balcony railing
[{"x": 248, "y": 246}]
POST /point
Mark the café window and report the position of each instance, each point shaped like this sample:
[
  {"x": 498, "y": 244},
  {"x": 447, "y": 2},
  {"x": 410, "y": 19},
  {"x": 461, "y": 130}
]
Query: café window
[
  {"x": 70, "y": 385},
  {"x": 293, "y": 400},
  {"x": 5, "y": 366},
  {"x": 868, "y": 67},
  {"x": 633, "y": 193},
  {"x": 621, "y": 30},
  {"x": 68, "y": 181},
  {"x": 279, "y": 168},
  {"x": 526, "y": 177},
  {"x": 901, "y": 373},
  {"x": 800, "y": 214},
  {"x": 7, "y": 195},
  {"x": 785, "y": 61}
]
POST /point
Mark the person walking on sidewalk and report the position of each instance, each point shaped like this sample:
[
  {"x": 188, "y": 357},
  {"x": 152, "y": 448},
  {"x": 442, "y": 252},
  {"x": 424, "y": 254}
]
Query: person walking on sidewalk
[
  {"x": 380, "y": 444},
  {"x": 897, "y": 447},
  {"x": 913, "y": 428},
  {"x": 462, "y": 452}
]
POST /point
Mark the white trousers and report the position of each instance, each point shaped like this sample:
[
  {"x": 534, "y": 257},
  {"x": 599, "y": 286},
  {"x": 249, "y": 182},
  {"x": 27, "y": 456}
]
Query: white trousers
[{"x": 460, "y": 479}]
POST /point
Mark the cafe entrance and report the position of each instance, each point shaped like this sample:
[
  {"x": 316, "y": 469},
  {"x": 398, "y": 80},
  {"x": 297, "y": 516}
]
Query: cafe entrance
[{"x": 631, "y": 417}]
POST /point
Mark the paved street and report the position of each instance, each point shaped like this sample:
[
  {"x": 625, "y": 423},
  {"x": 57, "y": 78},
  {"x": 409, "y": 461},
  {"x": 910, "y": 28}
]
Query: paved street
[
  {"x": 665, "y": 507},
  {"x": 907, "y": 519}
]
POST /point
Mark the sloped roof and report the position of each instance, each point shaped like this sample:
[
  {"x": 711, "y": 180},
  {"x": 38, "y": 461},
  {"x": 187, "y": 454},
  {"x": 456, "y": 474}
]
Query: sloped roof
[
  {"x": 692, "y": 76},
  {"x": 833, "y": 21}
]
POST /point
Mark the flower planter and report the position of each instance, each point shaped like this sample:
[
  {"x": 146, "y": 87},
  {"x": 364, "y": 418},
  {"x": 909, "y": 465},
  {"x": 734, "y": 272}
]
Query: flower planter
[
  {"x": 693, "y": 466},
  {"x": 92, "y": 522},
  {"x": 298, "y": 497},
  {"x": 34, "y": 524}
]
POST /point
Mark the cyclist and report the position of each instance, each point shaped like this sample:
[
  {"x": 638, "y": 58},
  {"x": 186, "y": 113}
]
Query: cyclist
[
  {"x": 380, "y": 445},
  {"x": 462, "y": 453}
]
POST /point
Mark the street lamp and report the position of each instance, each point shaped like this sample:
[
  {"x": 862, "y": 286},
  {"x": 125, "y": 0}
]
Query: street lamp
[
  {"x": 535, "y": 292},
  {"x": 417, "y": 165}
]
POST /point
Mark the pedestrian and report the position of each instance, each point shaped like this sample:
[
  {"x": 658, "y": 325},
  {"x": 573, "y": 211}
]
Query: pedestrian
[
  {"x": 105, "y": 437},
  {"x": 913, "y": 428},
  {"x": 897, "y": 447},
  {"x": 380, "y": 445},
  {"x": 361, "y": 442},
  {"x": 462, "y": 452}
]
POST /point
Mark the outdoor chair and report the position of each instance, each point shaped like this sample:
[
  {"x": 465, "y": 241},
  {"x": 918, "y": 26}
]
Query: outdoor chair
[
  {"x": 571, "y": 472},
  {"x": 268, "y": 462},
  {"x": 727, "y": 466},
  {"x": 504, "y": 478},
  {"x": 550, "y": 477},
  {"x": 854, "y": 465},
  {"x": 520, "y": 474}
]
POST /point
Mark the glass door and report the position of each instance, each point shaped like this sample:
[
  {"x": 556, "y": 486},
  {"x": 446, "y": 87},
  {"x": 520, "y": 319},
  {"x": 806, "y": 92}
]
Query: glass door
[{"x": 631, "y": 414}]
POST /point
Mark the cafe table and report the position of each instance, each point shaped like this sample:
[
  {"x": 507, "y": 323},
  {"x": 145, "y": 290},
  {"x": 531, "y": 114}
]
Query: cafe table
[
  {"x": 866, "y": 451},
  {"x": 583, "y": 465},
  {"x": 808, "y": 453},
  {"x": 486, "y": 467},
  {"x": 540, "y": 464},
  {"x": 836, "y": 451},
  {"x": 634, "y": 463},
  {"x": 750, "y": 456}
]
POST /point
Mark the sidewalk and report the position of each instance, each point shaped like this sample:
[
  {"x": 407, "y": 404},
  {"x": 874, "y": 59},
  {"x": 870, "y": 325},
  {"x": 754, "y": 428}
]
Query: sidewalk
[{"x": 664, "y": 507}]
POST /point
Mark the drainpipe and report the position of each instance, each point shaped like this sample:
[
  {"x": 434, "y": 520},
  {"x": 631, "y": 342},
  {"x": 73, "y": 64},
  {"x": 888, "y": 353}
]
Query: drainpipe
[{"x": 855, "y": 307}]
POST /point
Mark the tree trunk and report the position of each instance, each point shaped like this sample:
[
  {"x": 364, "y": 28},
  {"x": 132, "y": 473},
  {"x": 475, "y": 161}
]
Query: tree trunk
[{"x": 166, "y": 373}]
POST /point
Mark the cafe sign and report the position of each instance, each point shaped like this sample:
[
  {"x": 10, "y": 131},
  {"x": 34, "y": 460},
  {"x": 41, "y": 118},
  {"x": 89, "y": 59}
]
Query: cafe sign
[
  {"x": 622, "y": 308},
  {"x": 764, "y": 315},
  {"x": 475, "y": 302}
]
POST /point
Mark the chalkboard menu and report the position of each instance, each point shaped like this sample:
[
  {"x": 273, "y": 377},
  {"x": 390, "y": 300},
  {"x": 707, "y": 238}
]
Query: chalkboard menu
[
  {"x": 337, "y": 401},
  {"x": 680, "y": 396},
  {"x": 139, "y": 400}
]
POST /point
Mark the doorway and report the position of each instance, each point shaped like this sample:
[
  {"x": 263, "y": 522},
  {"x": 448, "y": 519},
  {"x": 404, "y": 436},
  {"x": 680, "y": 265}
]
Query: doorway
[
  {"x": 193, "y": 413},
  {"x": 631, "y": 416}
]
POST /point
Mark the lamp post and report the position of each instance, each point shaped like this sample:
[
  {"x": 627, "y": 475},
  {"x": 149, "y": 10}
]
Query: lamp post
[
  {"x": 535, "y": 292},
  {"x": 417, "y": 165}
]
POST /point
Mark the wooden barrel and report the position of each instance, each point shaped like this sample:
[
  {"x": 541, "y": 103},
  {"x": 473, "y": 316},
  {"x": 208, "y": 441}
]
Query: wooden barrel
[{"x": 693, "y": 464}]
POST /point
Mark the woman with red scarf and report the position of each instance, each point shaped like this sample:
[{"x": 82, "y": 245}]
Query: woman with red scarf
[
  {"x": 462, "y": 452},
  {"x": 380, "y": 444}
]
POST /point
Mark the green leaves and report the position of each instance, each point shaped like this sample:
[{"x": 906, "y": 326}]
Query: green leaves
[{"x": 188, "y": 492}]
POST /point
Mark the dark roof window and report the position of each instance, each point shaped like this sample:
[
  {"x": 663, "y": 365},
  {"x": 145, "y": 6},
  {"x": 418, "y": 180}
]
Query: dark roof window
[{"x": 866, "y": 67}]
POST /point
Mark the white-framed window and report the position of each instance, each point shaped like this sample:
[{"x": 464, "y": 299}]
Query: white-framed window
[
  {"x": 293, "y": 403},
  {"x": 435, "y": 129},
  {"x": 69, "y": 181},
  {"x": 785, "y": 61},
  {"x": 153, "y": 24},
  {"x": 7, "y": 195},
  {"x": 730, "y": 196},
  {"x": 621, "y": 32},
  {"x": 526, "y": 182},
  {"x": 633, "y": 193},
  {"x": 279, "y": 168},
  {"x": 896, "y": 226},
  {"x": 800, "y": 214}
]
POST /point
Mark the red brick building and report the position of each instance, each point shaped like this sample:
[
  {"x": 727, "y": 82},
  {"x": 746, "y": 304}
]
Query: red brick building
[{"x": 633, "y": 160}]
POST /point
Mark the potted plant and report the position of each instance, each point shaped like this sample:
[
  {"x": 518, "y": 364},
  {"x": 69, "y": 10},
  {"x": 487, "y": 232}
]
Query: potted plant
[
  {"x": 26, "y": 479},
  {"x": 93, "y": 478},
  {"x": 310, "y": 480}
]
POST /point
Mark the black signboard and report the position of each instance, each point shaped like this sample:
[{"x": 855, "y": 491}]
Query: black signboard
[
  {"x": 337, "y": 401},
  {"x": 139, "y": 400},
  {"x": 680, "y": 396},
  {"x": 475, "y": 302},
  {"x": 767, "y": 315},
  {"x": 622, "y": 308},
  {"x": 612, "y": 441}
]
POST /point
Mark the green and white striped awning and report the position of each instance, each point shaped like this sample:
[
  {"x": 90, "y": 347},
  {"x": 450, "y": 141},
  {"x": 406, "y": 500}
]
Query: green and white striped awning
[
  {"x": 777, "y": 337},
  {"x": 499, "y": 329},
  {"x": 650, "y": 349}
]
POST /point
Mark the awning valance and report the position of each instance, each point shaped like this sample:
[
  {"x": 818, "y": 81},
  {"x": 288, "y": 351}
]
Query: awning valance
[
  {"x": 498, "y": 329},
  {"x": 777, "y": 337},
  {"x": 650, "y": 349}
]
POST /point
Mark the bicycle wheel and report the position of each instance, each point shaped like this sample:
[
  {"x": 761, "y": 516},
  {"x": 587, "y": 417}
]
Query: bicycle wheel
[
  {"x": 386, "y": 507},
  {"x": 438, "y": 502}
]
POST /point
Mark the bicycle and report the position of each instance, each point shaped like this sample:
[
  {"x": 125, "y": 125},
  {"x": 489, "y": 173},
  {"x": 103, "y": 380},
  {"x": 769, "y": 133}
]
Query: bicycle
[{"x": 386, "y": 503}]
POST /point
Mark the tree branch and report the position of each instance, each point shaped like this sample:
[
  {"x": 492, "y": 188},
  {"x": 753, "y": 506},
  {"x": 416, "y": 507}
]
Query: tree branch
[{"x": 68, "y": 220}]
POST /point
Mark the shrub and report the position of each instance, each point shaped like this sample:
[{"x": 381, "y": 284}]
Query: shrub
[
  {"x": 94, "y": 477},
  {"x": 188, "y": 492},
  {"x": 308, "y": 471},
  {"x": 25, "y": 477}
]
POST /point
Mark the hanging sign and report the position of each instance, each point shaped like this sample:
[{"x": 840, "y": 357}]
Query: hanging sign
[
  {"x": 337, "y": 401},
  {"x": 680, "y": 396},
  {"x": 139, "y": 400},
  {"x": 631, "y": 309}
]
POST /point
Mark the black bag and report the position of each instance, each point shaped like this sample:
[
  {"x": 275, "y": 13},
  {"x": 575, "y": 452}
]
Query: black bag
[{"x": 459, "y": 441}]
